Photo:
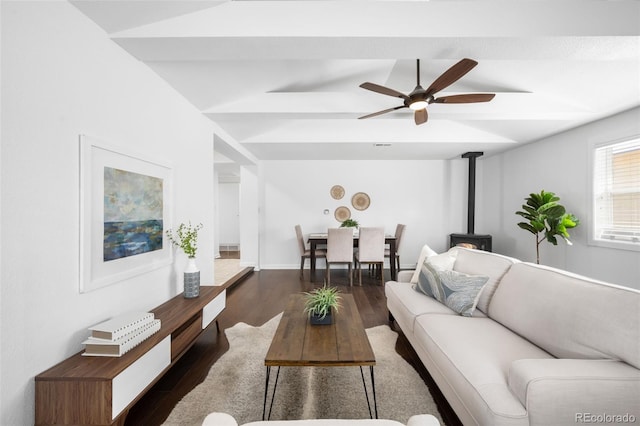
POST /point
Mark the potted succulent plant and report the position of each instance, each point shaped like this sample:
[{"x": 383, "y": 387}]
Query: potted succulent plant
[
  {"x": 186, "y": 238},
  {"x": 547, "y": 217},
  {"x": 320, "y": 304}
]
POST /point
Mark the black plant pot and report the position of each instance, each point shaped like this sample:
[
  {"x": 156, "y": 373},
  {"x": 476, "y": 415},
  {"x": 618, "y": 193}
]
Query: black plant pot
[{"x": 315, "y": 319}]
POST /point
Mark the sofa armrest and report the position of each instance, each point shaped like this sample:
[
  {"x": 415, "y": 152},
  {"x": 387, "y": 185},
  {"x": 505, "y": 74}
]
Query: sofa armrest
[
  {"x": 404, "y": 276},
  {"x": 568, "y": 391},
  {"x": 219, "y": 419},
  {"x": 423, "y": 420}
]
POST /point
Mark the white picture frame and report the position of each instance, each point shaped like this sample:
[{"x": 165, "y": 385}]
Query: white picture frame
[{"x": 95, "y": 157}]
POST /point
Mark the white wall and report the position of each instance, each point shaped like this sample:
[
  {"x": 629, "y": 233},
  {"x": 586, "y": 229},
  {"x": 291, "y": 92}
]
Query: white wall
[
  {"x": 228, "y": 213},
  {"x": 216, "y": 214},
  {"x": 250, "y": 216},
  {"x": 428, "y": 196},
  {"x": 558, "y": 164},
  {"x": 62, "y": 76}
]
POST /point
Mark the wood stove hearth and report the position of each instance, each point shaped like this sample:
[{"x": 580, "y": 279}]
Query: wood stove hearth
[{"x": 477, "y": 241}]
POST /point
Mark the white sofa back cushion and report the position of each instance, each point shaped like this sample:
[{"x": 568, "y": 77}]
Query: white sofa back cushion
[
  {"x": 568, "y": 315},
  {"x": 479, "y": 262}
]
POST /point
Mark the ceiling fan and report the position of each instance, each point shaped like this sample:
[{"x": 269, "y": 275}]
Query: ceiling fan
[{"x": 419, "y": 98}]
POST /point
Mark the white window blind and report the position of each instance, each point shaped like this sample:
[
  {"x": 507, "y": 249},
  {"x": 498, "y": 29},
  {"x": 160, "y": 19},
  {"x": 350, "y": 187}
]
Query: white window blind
[{"x": 616, "y": 192}]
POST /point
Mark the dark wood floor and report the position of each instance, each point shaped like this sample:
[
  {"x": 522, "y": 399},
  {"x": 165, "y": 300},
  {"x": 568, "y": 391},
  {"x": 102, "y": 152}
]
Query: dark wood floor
[{"x": 255, "y": 300}]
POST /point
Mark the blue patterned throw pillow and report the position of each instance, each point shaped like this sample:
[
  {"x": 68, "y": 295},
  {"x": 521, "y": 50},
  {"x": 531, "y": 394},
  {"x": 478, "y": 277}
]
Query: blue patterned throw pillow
[
  {"x": 428, "y": 275},
  {"x": 459, "y": 292}
]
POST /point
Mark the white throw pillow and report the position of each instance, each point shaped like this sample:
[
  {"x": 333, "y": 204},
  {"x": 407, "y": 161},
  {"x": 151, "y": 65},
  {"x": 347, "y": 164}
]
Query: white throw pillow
[
  {"x": 442, "y": 261},
  {"x": 424, "y": 253}
]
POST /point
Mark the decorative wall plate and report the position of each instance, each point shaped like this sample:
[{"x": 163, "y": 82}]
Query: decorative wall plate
[
  {"x": 360, "y": 201},
  {"x": 337, "y": 192},
  {"x": 342, "y": 213}
]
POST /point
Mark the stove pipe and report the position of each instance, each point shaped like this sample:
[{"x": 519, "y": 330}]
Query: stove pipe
[{"x": 471, "y": 199}]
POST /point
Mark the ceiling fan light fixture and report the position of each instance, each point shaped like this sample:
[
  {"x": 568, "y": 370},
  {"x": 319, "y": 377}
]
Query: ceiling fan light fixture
[
  {"x": 417, "y": 105},
  {"x": 419, "y": 98}
]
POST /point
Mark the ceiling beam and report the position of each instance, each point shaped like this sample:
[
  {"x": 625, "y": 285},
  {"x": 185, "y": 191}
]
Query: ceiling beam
[{"x": 303, "y": 19}]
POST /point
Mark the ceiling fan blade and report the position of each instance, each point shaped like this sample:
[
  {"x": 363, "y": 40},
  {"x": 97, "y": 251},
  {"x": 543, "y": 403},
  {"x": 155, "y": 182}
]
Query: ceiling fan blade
[
  {"x": 384, "y": 90},
  {"x": 381, "y": 112},
  {"x": 451, "y": 75},
  {"x": 420, "y": 116},
  {"x": 465, "y": 99}
]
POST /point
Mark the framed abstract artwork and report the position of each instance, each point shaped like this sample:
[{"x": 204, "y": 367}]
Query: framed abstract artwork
[{"x": 125, "y": 205}]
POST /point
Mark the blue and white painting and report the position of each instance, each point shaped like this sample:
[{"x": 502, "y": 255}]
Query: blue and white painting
[{"x": 133, "y": 213}]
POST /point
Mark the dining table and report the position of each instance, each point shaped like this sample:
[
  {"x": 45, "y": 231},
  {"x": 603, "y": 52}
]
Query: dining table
[{"x": 317, "y": 239}]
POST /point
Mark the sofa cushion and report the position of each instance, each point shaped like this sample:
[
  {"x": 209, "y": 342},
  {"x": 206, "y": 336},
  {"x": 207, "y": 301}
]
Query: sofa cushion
[
  {"x": 459, "y": 292},
  {"x": 474, "y": 356},
  {"x": 554, "y": 390},
  {"x": 406, "y": 304},
  {"x": 568, "y": 315},
  {"x": 479, "y": 262}
]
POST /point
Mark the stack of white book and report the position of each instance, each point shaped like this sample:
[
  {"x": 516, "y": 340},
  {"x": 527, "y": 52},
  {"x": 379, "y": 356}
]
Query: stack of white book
[{"x": 120, "y": 334}]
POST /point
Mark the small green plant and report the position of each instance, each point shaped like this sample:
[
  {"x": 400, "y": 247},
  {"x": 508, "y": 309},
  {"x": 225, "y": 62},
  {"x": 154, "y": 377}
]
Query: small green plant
[
  {"x": 186, "y": 237},
  {"x": 349, "y": 223},
  {"x": 320, "y": 301},
  {"x": 547, "y": 217}
]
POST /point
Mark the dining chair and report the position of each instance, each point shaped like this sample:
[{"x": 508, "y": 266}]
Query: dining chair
[
  {"x": 339, "y": 250},
  {"x": 305, "y": 253},
  {"x": 399, "y": 232},
  {"x": 370, "y": 250}
]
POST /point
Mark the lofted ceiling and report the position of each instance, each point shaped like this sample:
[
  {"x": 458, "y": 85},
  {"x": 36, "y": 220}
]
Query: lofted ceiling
[{"x": 281, "y": 78}]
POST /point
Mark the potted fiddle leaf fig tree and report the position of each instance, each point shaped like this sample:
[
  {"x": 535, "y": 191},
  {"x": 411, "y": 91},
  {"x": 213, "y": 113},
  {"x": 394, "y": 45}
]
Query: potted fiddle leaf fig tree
[
  {"x": 320, "y": 304},
  {"x": 546, "y": 219}
]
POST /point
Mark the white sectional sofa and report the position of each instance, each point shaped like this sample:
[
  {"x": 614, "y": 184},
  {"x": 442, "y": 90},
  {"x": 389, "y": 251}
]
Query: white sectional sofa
[
  {"x": 223, "y": 419},
  {"x": 543, "y": 347}
]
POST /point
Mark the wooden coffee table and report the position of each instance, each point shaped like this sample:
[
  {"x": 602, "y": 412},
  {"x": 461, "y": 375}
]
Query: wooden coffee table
[{"x": 341, "y": 344}]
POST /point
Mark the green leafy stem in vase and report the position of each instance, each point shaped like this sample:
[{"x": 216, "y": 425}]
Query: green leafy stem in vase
[{"x": 186, "y": 237}]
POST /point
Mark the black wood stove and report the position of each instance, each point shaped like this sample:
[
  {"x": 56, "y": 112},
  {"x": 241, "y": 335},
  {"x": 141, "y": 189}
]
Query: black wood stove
[{"x": 470, "y": 239}]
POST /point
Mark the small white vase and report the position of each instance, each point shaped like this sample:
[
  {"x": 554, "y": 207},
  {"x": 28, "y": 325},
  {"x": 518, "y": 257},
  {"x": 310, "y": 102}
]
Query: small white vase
[{"x": 191, "y": 279}]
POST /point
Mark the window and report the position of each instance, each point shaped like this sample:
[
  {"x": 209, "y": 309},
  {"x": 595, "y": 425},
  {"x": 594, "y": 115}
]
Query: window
[{"x": 616, "y": 194}]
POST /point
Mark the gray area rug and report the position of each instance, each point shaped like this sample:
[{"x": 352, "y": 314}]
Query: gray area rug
[{"x": 235, "y": 384}]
